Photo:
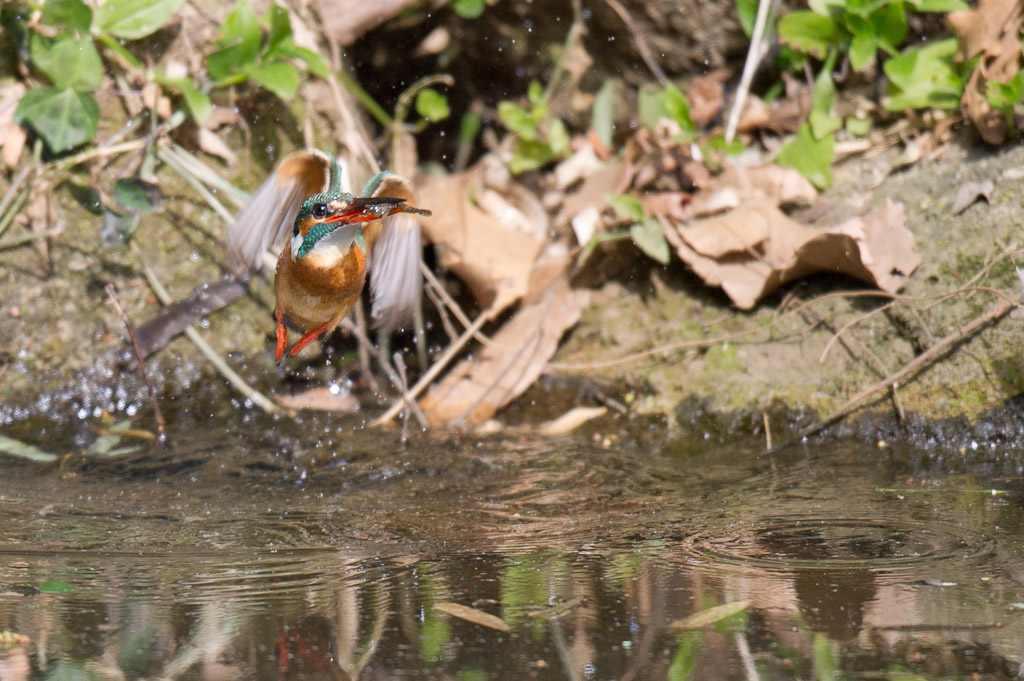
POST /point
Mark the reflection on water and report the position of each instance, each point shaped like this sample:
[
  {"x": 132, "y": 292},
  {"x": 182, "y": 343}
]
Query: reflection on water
[{"x": 329, "y": 561}]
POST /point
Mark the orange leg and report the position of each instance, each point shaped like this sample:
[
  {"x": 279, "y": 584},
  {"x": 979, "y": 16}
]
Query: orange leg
[
  {"x": 282, "y": 335},
  {"x": 309, "y": 338}
]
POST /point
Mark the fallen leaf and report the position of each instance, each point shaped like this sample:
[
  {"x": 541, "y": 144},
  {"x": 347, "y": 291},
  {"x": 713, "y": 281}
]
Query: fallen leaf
[
  {"x": 706, "y": 95},
  {"x": 13, "y": 144},
  {"x": 480, "y": 385},
  {"x": 345, "y": 21},
  {"x": 739, "y": 229},
  {"x": 214, "y": 145},
  {"x": 977, "y": 29},
  {"x": 488, "y": 248},
  {"x": 613, "y": 178},
  {"x": 25, "y": 451},
  {"x": 464, "y": 612},
  {"x": 709, "y": 616},
  {"x": 571, "y": 420},
  {"x": 320, "y": 399},
  {"x": 969, "y": 193}
]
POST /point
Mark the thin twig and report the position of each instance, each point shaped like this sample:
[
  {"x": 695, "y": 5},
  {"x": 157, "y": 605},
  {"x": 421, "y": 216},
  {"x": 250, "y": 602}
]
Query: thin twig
[
  {"x": 450, "y": 302},
  {"x": 257, "y": 398},
  {"x": 161, "y": 427},
  {"x": 409, "y": 404},
  {"x": 172, "y": 161},
  {"x": 358, "y": 329},
  {"x": 749, "y": 68},
  {"x": 915, "y": 365},
  {"x": 641, "y": 42},
  {"x": 392, "y": 375},
  {"x": 439, "y": 364}
]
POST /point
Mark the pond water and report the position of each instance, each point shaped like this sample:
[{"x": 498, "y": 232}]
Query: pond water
[{"x": 313, "y": 551}]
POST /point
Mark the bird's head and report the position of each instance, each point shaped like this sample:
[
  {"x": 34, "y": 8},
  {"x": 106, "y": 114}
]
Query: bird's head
[{"x": 321, "y": 215}]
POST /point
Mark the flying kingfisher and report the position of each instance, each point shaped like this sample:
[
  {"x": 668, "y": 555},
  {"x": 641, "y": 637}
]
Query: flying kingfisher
[{"x": 330, "y": 238}]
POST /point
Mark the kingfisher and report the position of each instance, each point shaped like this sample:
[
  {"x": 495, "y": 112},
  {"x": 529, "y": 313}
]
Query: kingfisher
[{"x": 329, "y": 240}]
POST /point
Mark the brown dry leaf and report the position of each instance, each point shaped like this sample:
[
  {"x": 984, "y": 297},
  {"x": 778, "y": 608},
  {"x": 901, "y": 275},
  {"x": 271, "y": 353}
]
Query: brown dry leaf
[
  {"x": 613, "y": 178},
  {"x": 749, "y": 247},
  {"x": 480, "y": 385},
  {"x": 706, "y": 95},
  {"x": 320, "y": 399},
  {"x": 978, "y": 29},
  {"x": 344, "y": 21},
  {"x": 969, "y": 193},
  {"x": 13, "y": 144},
  {"x": 215, "y": 146},
  {"x": 481, "y": 235},
  {"x": 464, "y": 612}
]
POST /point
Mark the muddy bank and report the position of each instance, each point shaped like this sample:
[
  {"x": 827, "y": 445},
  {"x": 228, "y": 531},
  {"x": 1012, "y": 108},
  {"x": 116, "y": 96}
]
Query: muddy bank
[{"x": 64, "y": 357}]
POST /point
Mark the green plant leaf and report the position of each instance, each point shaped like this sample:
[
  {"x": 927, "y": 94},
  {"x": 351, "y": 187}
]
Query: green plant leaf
[
  {"x": 823, "y": 98},
  {"x": 649, "y": 237},
  {"x": 315, "y": 64},
  {"x": 809, "y": 32},
  {"x": 468, "y": 9},
  {"x": 685, "y": 659},
  {"x": 197, "y": 101},
  {"x": 862, "y": 51},
  {"x": 73, "y": 14},
  {"x": 890, "y": 27},
  {"x": 825, "y": 663},
  {"x": 938, "y": 5},
  {"x": 530, "y": 155},
  {"x": 469, "y": 127},
  {"x": 858, "y": 127},
  {"x": 651, "y": 107},
  {"x": 517, "y": 120},
  {"x": 678, "y": 108},
  {"x": 280, "y": 28},
  {"x": 53, "y": 586},
  {"x": 810, "y": 157},
  {"x": 626, "y": 207},
  {"x": 602, "y": 117},
  {"x": 924, "y": 77},
  {"x": 558, "y": 138},
  {"x": 240, "y": 40},
  {"x": 432, "y": 105},
  {"x": 134, "y": 19},
  {"x": 535, "y": 93},
  {"x": 67, "y": 61},
  {"x": 827, "y": 7},
  {"x": 746, "y": 10},
  {"x": 279, "y": 77},
  {"x": 63, "y": 118},
  {"x": 137, "y": 197},
  {"x": 23, "y": 450}
]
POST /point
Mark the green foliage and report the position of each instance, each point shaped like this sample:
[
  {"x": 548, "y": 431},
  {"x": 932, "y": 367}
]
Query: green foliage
[
  {"x": 645, "y": 231},
  {"x": 924, "y": 77},
  {"x": 432, "y": 105},
  {"x": 542, "y": 138},
  {"x": 809, "y": 156},
  {"x": 602, "y": 118},
  {"x": 668, "y": 102},
  {"x": 469, "y": 9},
  {"x": 134, "y": 19},
  {"x": 1006, "y": 97},
  {"x": 685, "y": 660},
  {"x": 63, "y": 118},
  {"x": 245, "y": 55}
]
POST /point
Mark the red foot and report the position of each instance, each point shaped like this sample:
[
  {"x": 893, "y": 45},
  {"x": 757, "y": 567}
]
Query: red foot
[
  {"x": 282, "y": 335},
  {"x": 308, "y": 338}
]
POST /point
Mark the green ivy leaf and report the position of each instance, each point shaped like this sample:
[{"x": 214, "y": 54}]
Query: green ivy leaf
[
  {"x": 63, "y": 118},
  {"x": 924, "y": 77},
  {"x": 432, "y": 105},
  {"x": 73, "y": 14},
  {"x": 134, "y": 19},
  {"x": 468, "y": 9},
  {"x": 602, "y": 117},
  {"x": 809, "y": 32},
  {"x": 649, "y": 237},
  {"x": 67, "y": 61},
  {"x": 810, "y": 157},
  {"x": 279, "y": 77}
]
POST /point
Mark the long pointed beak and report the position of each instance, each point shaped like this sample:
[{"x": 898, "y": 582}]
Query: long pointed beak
[{"x": 370, "y": 209}]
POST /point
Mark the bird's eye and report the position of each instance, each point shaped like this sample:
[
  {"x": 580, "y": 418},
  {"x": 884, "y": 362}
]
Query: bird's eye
[{"x": 320, "y": 210}]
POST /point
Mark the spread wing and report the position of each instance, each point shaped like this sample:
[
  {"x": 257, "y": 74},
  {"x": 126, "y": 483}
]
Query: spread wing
[
  {"x": 395, "y": 281},
  {"x": 269, "y": 216}
]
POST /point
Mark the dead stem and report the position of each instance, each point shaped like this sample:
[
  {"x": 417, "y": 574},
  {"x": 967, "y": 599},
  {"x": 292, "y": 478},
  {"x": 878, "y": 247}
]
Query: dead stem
[
  {"x": 439, "y": 364},
  {"x": 923, "y": 360},
  {"x": 257, "y": 398},
  {"x": 161, "y": 427},
  {"x": 450, "y": 302},
  {"x": 749, "y": 68},
  {"x": 641, "y": 43}
]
